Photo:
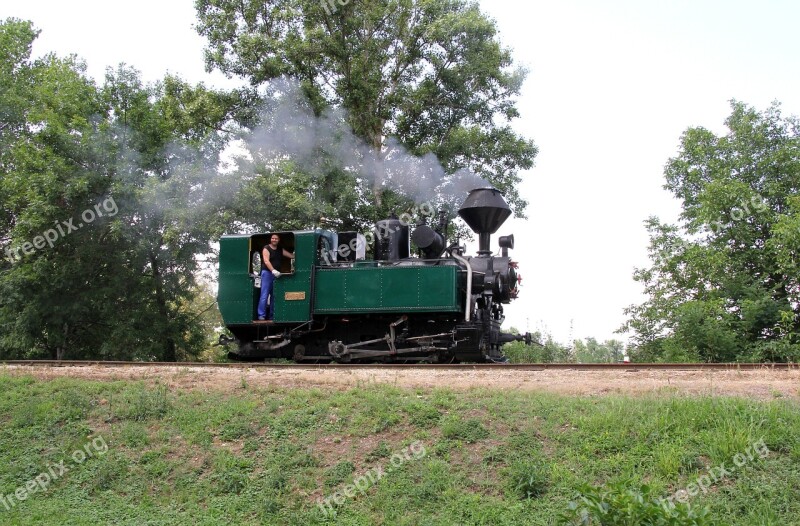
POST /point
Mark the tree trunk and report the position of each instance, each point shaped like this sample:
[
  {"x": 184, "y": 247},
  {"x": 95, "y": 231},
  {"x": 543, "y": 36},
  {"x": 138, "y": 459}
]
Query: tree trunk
[
  {"x": 170, "y": 354},
  {"x": 61, "y": 350}
]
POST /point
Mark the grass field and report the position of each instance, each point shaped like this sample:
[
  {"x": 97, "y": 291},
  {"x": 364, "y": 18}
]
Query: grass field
[{"x": 140, "y": 453}]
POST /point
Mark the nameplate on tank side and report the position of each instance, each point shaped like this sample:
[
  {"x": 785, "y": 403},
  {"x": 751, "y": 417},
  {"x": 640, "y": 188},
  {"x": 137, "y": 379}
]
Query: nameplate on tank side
[{"x": 295, "y": 296}]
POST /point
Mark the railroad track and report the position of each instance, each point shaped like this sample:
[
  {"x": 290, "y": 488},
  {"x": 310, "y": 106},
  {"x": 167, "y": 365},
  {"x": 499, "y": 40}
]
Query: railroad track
[{"x": 463, "y": 367}]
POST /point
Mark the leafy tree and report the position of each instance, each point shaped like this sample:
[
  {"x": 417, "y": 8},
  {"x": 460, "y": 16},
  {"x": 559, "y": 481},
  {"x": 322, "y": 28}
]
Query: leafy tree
[
  {"x": 48, "y": 175},
  {"x": 16, "y": 88},
  {"x": 430, "y": 73},
  {"x": 723, "y": 284},
  {"x": 133, "y": 169},
  {"x": 164, "y": 144}
]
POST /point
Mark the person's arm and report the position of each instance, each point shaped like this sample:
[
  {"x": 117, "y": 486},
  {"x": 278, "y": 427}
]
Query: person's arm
[
  {"x": 265, "y": 259},
  {"x": 288, "y": 254}
]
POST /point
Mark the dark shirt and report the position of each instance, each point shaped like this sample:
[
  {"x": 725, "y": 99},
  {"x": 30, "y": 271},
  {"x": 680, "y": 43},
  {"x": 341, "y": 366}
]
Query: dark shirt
[{"x": 275, "y": 258}]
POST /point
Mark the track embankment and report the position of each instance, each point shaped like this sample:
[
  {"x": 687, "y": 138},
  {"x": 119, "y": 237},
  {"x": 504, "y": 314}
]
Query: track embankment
[{"x": 744, "y": 380}]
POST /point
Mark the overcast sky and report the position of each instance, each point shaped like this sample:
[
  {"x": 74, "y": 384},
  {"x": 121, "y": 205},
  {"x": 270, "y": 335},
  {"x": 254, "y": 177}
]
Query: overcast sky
[{"x": 612, "y": 85}]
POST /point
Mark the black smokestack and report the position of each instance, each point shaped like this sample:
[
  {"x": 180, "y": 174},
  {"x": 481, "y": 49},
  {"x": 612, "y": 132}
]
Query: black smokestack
[{"x": 484, "y": 211}]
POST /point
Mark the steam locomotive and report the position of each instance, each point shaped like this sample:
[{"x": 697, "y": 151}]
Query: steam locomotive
[{"x": 332, "y": 304}]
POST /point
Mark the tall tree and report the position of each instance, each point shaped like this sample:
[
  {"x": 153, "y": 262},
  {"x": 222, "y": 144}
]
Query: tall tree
[
  {"x": 430, "y": 73},
  {"x": 163, "y": 147},
  {"x": 16, "y": 88},
  {"x": 48, "y": 175},
  {"x": 723, "y": 284},
  {"x": 108, "y": 196}
]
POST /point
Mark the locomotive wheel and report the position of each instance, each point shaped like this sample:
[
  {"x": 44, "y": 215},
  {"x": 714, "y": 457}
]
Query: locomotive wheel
[
  {"x": 339, "y": 352},
  {"x": 299, "y": 353}
]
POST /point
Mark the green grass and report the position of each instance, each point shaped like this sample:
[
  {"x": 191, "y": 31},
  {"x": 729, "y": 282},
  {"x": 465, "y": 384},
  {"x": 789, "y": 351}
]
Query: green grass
[{"x": 258, "y": 456}]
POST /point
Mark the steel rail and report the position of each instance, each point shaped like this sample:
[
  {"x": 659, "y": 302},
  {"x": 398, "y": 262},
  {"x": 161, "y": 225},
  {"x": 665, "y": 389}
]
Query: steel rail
[{"x": 627, "y": 367}]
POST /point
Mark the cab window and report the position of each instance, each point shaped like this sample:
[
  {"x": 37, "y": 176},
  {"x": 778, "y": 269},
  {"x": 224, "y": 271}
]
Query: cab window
[{"x": 259, "y": 241}]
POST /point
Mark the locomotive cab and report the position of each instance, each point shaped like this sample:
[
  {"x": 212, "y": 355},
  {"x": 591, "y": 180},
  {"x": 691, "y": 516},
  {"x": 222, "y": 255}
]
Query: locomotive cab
[{"x": 239, "y": 278}]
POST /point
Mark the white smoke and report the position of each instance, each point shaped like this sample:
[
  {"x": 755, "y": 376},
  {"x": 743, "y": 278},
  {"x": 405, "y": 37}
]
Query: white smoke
[{"x": 291, "y": 131}]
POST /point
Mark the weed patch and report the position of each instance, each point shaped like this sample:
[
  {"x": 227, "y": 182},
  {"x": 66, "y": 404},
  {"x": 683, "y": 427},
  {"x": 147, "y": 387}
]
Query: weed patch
[
  {"x": 527, "y": 479},
  {"x": 469, "y": 431},
  {"x": 143, "y": 402}
]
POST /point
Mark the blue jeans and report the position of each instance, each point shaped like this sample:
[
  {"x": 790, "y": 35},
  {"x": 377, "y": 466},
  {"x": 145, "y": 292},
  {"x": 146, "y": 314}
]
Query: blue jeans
[{"x": 267, "y": 285}]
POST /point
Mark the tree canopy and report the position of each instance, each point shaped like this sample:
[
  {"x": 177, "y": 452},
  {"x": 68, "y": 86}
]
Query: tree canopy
[
  {"x": 431, "y": 74},
  {"x": 723, "y": 284}
]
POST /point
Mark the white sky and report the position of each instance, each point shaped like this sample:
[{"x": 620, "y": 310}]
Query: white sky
[{"x": 612, "y": 86}]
